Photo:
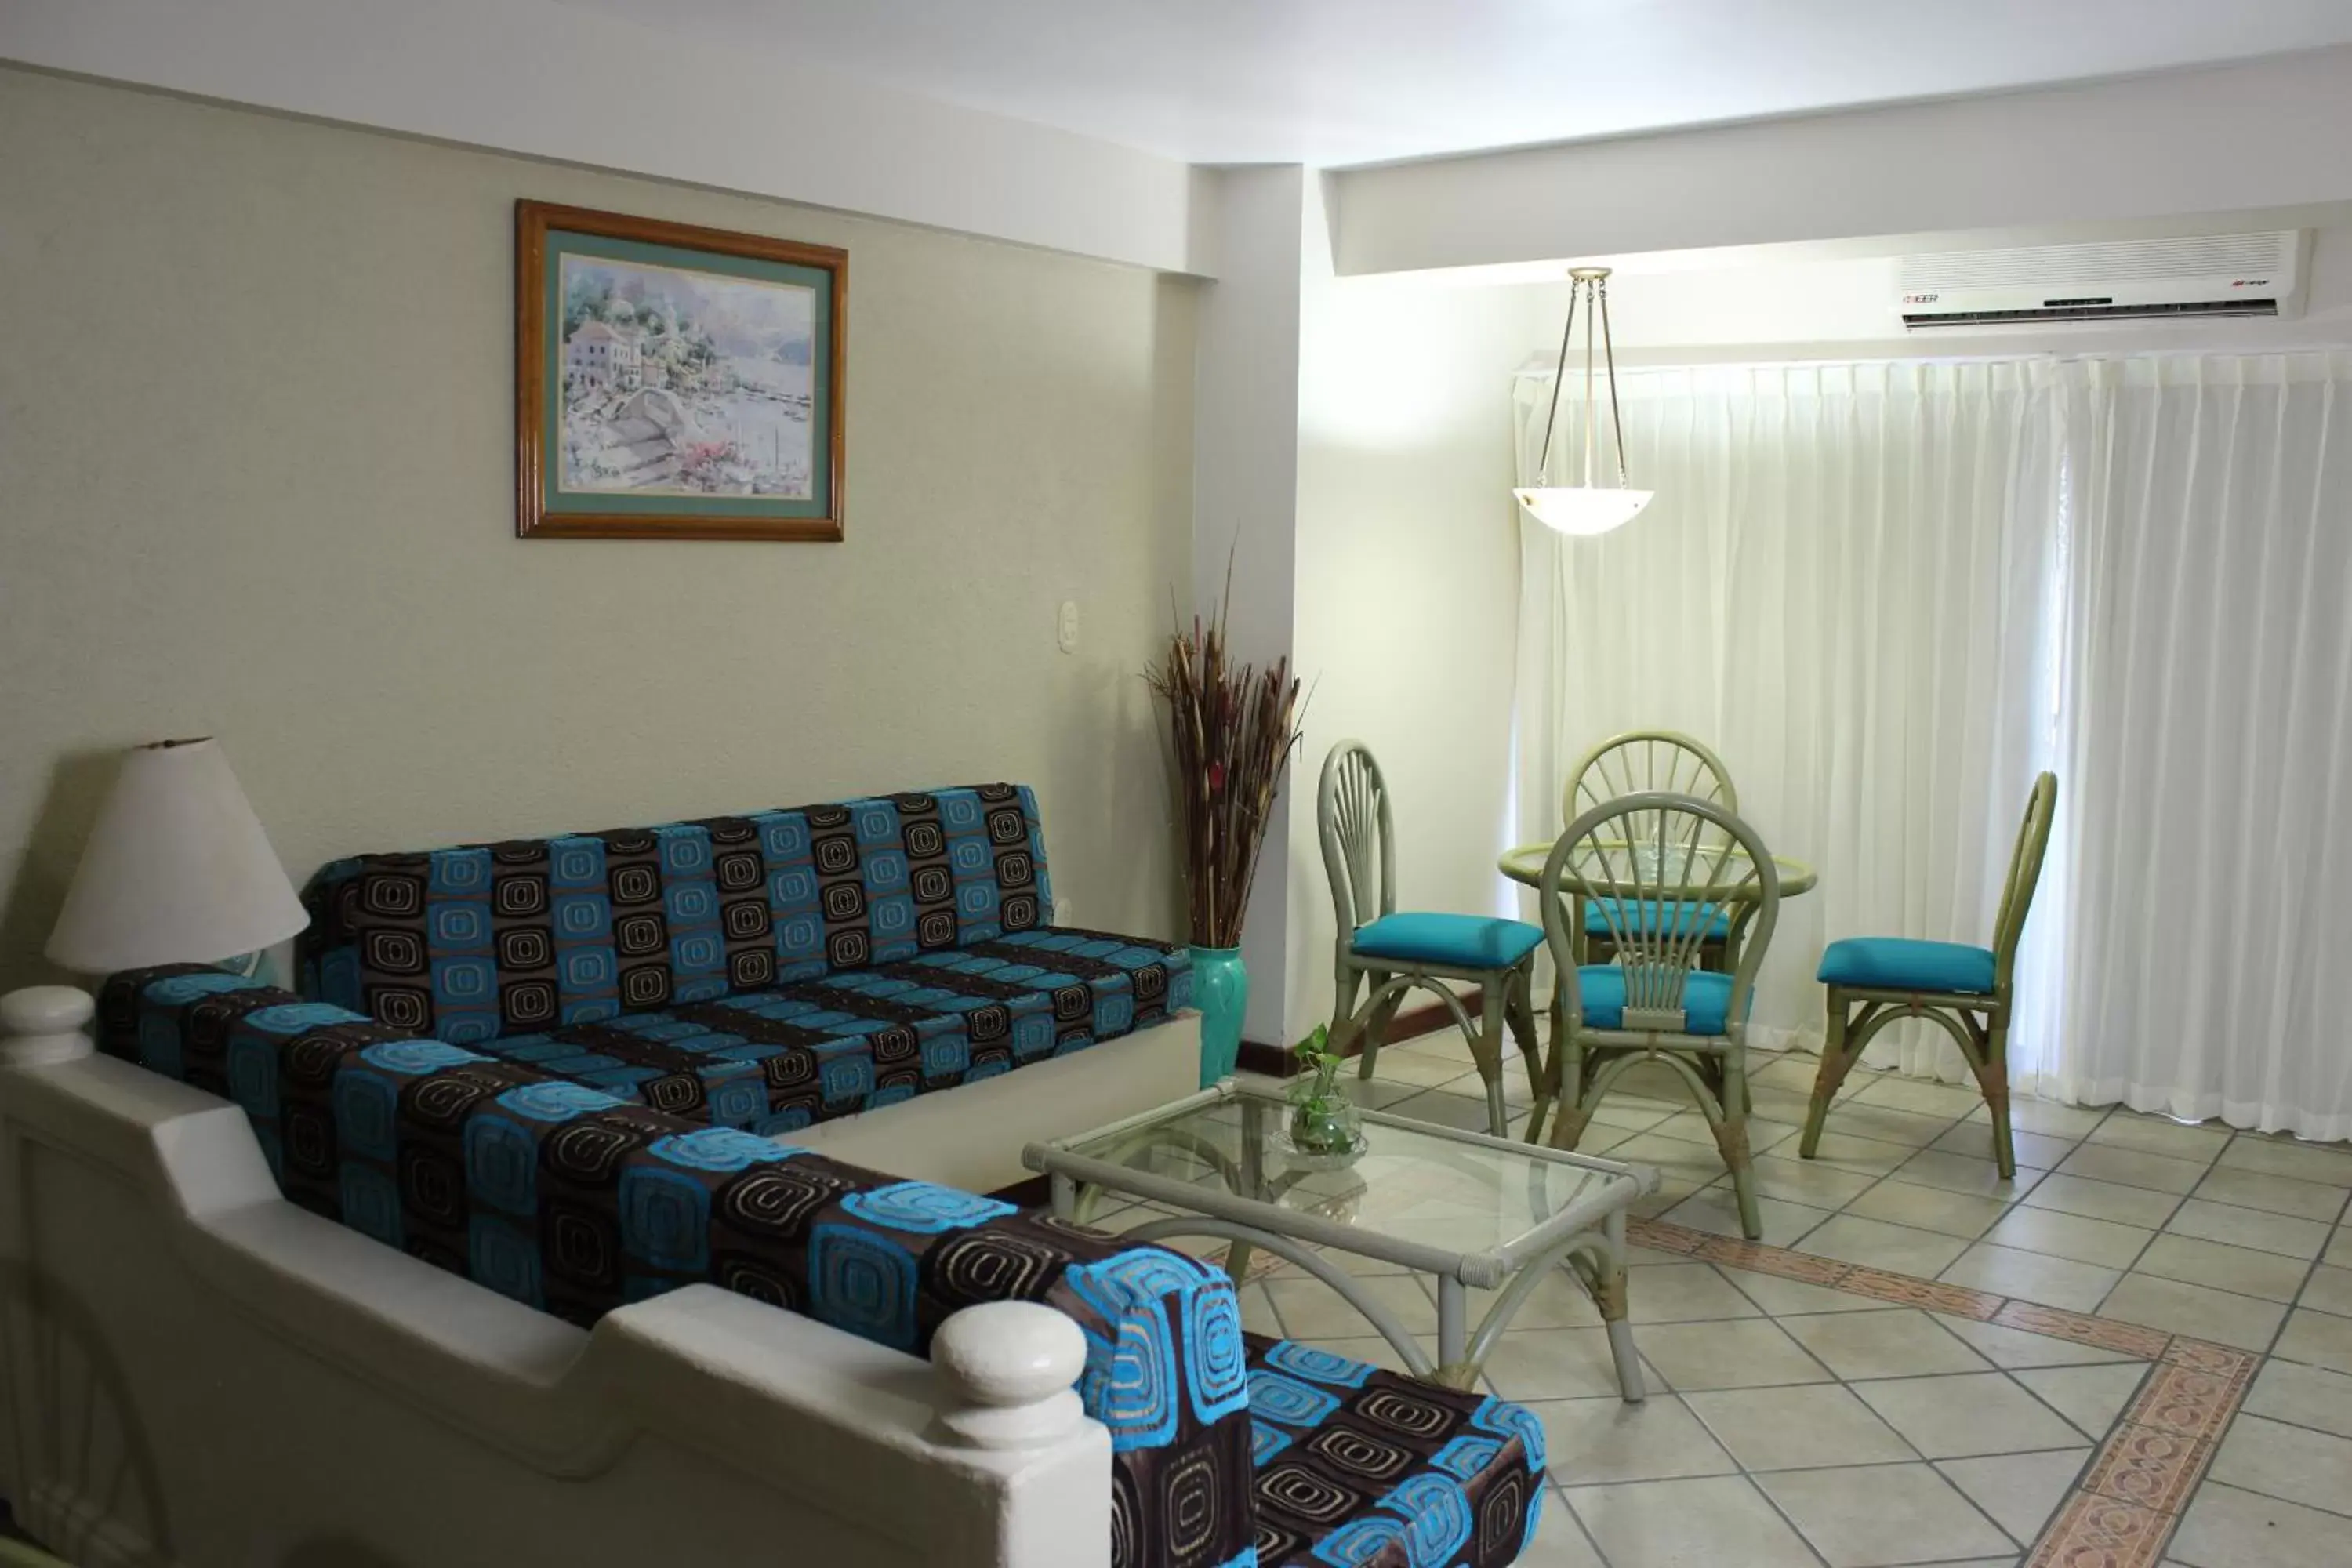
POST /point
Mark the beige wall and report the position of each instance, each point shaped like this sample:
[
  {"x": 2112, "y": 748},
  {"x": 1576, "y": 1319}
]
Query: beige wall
[{"x": 255, "y": 457}]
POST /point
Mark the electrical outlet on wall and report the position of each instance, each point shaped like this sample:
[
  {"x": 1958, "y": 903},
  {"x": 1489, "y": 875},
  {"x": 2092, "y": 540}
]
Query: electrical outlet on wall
[{"x": 1066, "y": 626}]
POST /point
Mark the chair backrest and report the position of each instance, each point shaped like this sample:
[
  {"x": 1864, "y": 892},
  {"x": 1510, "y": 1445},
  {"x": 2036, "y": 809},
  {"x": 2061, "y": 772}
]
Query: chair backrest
[
  {"x": 2024, "y": 872},
  {"x": 1351, "y": 817},
  {"x": 1646, "y": 762},
  {"x": 1658, "y": 867}
]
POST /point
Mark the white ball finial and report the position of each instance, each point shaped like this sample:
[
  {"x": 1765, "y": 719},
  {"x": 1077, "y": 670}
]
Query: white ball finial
[
  {"x": 1008, "y": 1367},
  {"x": 44, "y": 1023}
]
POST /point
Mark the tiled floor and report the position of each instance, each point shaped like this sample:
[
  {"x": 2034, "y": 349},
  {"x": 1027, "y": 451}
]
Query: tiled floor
[{"x": 1793, "y": 1423}]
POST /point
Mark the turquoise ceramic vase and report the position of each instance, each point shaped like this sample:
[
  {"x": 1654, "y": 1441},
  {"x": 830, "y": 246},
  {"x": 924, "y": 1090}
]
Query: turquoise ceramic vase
[{"x": 1221, "y": 990}]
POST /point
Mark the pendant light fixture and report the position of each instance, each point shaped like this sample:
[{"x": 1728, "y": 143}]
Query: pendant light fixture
[{"x": 1585, "y": 508}]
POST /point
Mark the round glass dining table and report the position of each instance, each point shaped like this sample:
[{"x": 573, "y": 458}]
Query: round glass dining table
[{"x": 1732, "y": 882}]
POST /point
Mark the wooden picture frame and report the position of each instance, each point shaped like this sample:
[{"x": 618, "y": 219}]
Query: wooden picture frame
[{"x": 675, "y": 381}]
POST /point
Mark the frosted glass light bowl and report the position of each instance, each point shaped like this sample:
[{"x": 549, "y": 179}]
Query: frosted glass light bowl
[{"x": 1581, "y": 510}]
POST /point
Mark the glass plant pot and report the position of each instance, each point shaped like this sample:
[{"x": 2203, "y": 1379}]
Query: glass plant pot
[{"x": 1325, "y": 1125}]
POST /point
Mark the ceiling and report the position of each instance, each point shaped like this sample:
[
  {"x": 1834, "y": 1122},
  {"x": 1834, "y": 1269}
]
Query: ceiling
[{"x": 1340, "y": 82}]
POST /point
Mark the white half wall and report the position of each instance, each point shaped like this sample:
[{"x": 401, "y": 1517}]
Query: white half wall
[
  {"x": 2271, "y": 132},
  {"x": 563, "y": 82}
]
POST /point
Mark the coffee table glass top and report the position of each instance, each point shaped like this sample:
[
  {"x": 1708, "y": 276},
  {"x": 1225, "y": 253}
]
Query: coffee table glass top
[{"x": 1416, "y": 1188}]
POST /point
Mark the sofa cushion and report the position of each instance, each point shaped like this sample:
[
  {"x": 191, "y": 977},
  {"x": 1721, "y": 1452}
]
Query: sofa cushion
[
  {"x": 576, "y": 1202},
  {"x": 472, "y": 942},
  {"x": 1356, "y": 1466},
  {"x": 771, "y": 1061}
]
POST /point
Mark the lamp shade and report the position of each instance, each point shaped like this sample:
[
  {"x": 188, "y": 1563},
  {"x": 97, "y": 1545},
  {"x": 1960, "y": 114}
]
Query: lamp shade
[
  {"x": 177, "y": 870},
  {"x": 1578, "y": 509}
]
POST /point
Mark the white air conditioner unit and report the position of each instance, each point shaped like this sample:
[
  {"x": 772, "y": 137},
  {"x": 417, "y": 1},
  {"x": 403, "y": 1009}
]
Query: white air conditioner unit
[{"x": 2117, "y": 280}]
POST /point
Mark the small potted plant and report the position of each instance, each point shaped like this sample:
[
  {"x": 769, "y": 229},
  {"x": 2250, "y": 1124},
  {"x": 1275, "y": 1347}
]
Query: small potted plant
[{"x": 1325, "y": 1126}]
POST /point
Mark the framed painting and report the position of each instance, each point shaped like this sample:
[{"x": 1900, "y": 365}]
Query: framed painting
[{"x": 674, "y": 382}]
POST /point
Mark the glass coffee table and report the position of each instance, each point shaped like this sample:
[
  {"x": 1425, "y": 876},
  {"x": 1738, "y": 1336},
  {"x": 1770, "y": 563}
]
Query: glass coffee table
[{"x": 1467, "y": 1209}]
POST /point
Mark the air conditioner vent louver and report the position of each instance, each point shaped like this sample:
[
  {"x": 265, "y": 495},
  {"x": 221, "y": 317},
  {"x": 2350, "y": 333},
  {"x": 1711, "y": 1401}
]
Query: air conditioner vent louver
[{"x": 2206, "y": 275}]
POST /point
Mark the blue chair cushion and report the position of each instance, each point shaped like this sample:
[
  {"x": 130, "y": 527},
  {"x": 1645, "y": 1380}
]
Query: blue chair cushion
[
  {"x": 1466, "y": 941},
  {"x": 1707, "y": 998},
  {"x": 1899, "y": 963},
  {"x": 1649, "y": 915}
]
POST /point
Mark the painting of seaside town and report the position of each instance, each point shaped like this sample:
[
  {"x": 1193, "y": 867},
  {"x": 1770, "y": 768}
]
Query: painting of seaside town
[{"x": 683, "y": 382}]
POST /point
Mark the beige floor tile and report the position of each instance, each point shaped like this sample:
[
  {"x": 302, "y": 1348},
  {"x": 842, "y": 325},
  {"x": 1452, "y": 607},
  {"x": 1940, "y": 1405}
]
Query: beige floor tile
[
  {"x": 1929, "y": 1208},
  {"x": 2226, "y": 1528},
  {"x": 1416, "y": 1066},
  {"x": 2330, "y": 1291},
  {"x": 2329, "y": 1165},
  {"x": 2033, "y": 1276},
  {"x": 1554, "y": 1364},
  {"x": 1559, "y": 1301},
  {"x": 1447, "y": 1043},
  {"x": 1906, "y": 1342},
  {"x": 1797, "y": 1428},
  {"x": 2099, "y": 1241},
  {"x": 2316, "y": 1339},
  {"x": 1865, "y": 1156},
  {"x": 2283, "y": 1234},
  {"x": 1748, "y": 1354},
  {"x": 2195, "y": 1311},
  {"x": 1717, "y": 1210},
  {"x": 2015, "y": 1348},
  {"x": 1633, "y": 1115},
  {"x": 2092, "y": 1397},
  {"x": 2313, "y": 1468},
  {"x": 1780, "y": 1104},
  {"x": 1592, "y": 1441},
  {"x": 1858, "y": 1119},
  {"x": 1559, "y": 1542},
  {"x": 1680, "y": 1524},
  {"x": 1796, "y": 1075},
  {"x": 2238, "y": 1268},
  {"x": 1691, "y": 1127},
  {"x": 1920, "y": 1097},
  {"x": 1370, "y": 1349},
  {"x": 2339, "y": 1248},
  {"x": 2306, "y": 1395},
  {"x": 1882, "y": 1515},
  {"x": 1257, "y": 1313},
  {"x": 1788, "y": 1298},
  {"x": 1971, "y": 1174},
  {"x": 2158, "y": 1135},
  {"x": 1878, "y": 1245},
  {"x": 1355, "y": 1263},
  {"x": 1816, "y": 1184},
  {"x": 2021, "y": 1491},
  {"x": 1445, "y": 1110},
  {"x": 2104, "y": 1200},
  {"x": 1672, "y": 1190},
  {"x": 2075, "y": 1121},
  {"x": 1695, "y": 1163},
  {"x": 2278, "y": 1194},
  {"x": 1313, "y": 1310},
  {"x": 2033, "y": 1149},
  {"x": 1688, "y": 1292},
  {"x": 1965, "y": 1416},
  {"x": 2104, "y": 1162}
]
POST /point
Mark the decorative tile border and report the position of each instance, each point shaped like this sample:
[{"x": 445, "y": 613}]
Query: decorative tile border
[{"x": 2123, "y": 1510}]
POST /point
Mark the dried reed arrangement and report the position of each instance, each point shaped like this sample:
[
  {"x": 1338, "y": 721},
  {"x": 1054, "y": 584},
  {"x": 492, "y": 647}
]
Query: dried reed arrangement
[{"x": 1233, "y": 727}]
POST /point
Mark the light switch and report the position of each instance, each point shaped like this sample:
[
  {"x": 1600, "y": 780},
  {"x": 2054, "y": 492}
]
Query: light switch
[{"x": 1066, "y": 626}]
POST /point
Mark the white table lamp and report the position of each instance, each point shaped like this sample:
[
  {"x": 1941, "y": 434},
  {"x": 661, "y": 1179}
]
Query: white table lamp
[{"x": 177, "y": 870}]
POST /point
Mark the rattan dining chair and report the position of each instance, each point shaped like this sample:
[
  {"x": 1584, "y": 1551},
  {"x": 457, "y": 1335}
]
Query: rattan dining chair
[
  {"x": 1396, "y": 953},
  {"x": 1644, "y": 761},
  {"x": 1875, "y": 980},
  {"x": 1653, "y": 1004}
]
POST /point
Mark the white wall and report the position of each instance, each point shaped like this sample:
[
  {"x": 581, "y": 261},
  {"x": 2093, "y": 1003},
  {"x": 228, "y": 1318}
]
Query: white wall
[
  {"x": 562, "y": 81},
  {"x": 2268, "y": 132},
  {"x": 256, "y": 480},
  {"x": 1408, "y": 573}
]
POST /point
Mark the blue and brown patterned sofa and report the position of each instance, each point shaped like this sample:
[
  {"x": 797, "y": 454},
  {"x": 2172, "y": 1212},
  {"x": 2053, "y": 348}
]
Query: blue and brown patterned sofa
[
  {"x": 762, "y": 972},
  {"x": 1227, "y": 1449}
]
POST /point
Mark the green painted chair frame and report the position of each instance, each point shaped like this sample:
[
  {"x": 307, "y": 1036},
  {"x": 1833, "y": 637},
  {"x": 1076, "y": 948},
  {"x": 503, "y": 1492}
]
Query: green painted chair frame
[
  {"x": 1358, "y": 833},
  {"x": 1649, "y": 762},
  {"x": 1978, "y": 1023},
  {"x": 1628, "y": 854}
]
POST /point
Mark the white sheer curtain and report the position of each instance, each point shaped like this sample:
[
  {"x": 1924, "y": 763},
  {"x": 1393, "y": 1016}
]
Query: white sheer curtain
[
  {"x": 1844, "y": 587},
  {"x": 2203, "y": 879}
]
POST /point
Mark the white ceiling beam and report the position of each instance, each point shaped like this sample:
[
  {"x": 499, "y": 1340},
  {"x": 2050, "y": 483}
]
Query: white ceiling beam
[
  {"x": 551, "y": 81},
  {"x": 2272, "y": 133}
]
